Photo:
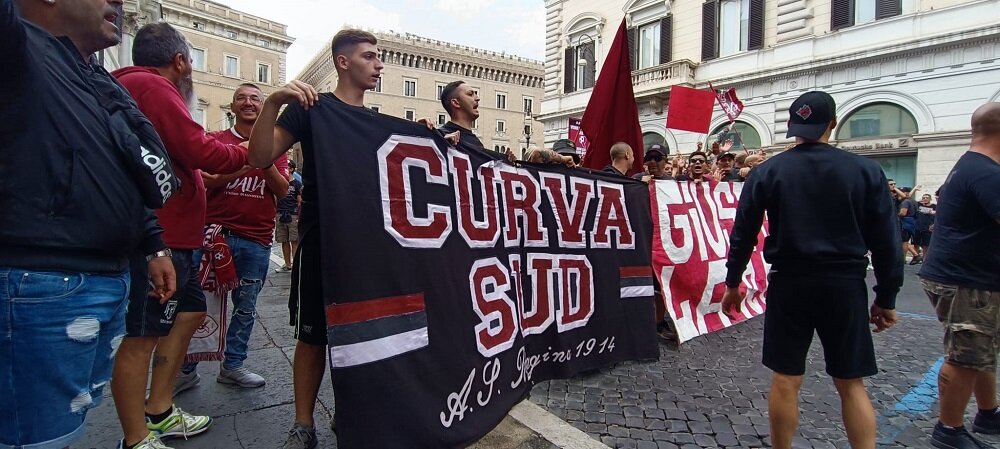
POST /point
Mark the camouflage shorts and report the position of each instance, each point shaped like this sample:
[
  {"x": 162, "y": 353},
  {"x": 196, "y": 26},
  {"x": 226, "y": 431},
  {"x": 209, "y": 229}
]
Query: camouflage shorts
[{"x": 971, "y": 321}]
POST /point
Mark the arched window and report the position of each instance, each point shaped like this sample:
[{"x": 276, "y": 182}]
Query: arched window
[
  {"x": 741, "y": 133},
  {"x": 877, "y": 120},
  {"x": 650, "y": 138}
]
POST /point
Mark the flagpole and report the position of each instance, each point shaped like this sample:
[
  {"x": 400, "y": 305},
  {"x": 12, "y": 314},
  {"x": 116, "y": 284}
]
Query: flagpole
[{"x": 732, "y": 123}]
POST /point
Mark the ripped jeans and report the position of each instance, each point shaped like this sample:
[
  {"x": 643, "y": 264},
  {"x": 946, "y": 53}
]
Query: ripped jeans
[
  {"x": 60, "y": 334},
  {"x": 251, "y": 260}
]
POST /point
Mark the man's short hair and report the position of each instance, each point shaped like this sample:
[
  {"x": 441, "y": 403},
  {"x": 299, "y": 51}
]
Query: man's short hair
[
  {"x": 156, "y": 44},
  {"x": 345, "y": 40},
  {"x": 698, "y": 153},
  {"x": 250, "y": 85},
  {"x": 448, "y": 92},
  {"x": 620, "y": 150}
]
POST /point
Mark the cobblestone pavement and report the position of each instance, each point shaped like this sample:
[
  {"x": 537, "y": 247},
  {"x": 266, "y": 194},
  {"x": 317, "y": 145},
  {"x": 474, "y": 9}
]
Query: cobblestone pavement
[
  {"x": 712, "y": 391},
  {"x": 709, "y": 393}
]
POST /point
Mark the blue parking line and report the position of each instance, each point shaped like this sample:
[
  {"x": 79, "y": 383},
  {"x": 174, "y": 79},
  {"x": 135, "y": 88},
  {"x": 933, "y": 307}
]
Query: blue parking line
[{"x": 920, "y": 398}]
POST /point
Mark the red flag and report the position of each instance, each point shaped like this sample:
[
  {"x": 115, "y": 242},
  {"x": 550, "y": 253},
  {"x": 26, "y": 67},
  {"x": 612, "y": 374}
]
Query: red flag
[
  {"x": 690, "y": 109},
  {"x": 729, "y": 102},
  {"x": 611, "y": 115},
  {"x": 577, "y": 136}
]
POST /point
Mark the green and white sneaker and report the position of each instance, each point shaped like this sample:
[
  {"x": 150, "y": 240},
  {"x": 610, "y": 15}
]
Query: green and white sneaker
[
  {"x": 180, "y": 423},
  {"x": 150, "y": 442}
]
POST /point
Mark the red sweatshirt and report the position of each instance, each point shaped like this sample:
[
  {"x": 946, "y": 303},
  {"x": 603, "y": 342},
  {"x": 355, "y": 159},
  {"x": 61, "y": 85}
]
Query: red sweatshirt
[{"x": 190, "y": 150}]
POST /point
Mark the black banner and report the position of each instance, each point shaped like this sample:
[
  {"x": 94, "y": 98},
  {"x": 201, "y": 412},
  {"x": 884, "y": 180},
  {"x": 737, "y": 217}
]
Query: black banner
[{"x": 454, "y": 280}]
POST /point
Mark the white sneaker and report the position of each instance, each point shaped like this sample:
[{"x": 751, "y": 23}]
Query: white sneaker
[
  {"x": 185, "y": 382},
  {"x": 150, "y": 442},
  {"x": 241, "y": 377}
]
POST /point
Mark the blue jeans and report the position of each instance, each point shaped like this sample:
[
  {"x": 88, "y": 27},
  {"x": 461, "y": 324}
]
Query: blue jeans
[
  {"x": 251, "y": 260},
  {"x": 60, "y": 334}
]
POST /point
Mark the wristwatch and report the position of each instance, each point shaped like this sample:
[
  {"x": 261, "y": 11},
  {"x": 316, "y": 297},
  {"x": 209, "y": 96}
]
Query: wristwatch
[{"x": 161, "y": 253}]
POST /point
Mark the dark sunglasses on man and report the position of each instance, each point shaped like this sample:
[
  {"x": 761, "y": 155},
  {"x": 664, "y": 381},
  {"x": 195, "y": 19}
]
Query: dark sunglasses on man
[
  {"x": 697, "y": 160},
  {"x": 653, "y": 157}
]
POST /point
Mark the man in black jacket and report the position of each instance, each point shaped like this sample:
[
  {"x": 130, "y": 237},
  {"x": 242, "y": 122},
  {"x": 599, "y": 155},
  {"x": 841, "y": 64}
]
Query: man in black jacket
[
  {"x": 817, "y": 281},
  {"x": 71, "y": 212}
]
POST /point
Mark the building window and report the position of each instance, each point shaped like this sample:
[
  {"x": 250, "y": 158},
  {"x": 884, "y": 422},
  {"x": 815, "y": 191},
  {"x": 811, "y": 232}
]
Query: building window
[
  {"x": 199, "y": 116},
  {"x": 877, "y": 120},
  {"x": 731, "y": 26},
  {"x": 442, "y": 119},
  {"x": 902, "y": 169},
  {"x": 263, "y": 73},
  {"x": 409, "y": 114},
  {"x": 410, "y": 88},
  {"x": 734, "y": 26},
  {"x": 375, "y": 107},
  {"x": 501, "y": 100},
  {"x": 231, "y": 66},
  {"x": 197, "y": 58},
  {"x": 230, "y": 120},
  {"x": 649, "y": 45},
  {"x": 378, "y": 85},
  {"x": 501, "y": 126},
  {"x": 528, "y": 105},
  {"x": 264, "y": 43},
  {"x": 847, "y": 13},
  {"x": 231, "y": 34},
  {"x": 198, "y": 26},
  {"x": 742, "y": 134},
  {"x": 475, "y": 124},
  {"x": 440, "y": 90}
]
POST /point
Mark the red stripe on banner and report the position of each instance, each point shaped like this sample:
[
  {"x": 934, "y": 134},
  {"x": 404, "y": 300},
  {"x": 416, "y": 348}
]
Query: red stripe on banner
[
  {"x": 634, "y": 272},
  {"x": 356, "y": 312}
]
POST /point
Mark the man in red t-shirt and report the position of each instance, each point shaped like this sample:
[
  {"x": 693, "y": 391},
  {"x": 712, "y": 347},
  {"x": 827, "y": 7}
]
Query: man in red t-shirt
[{"x": 243, "y": 203}]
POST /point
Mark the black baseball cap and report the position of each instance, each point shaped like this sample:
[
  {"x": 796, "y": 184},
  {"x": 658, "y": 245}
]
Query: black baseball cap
[
  {"x": 728, "y": 154},
  {"x": 810, "y": 115},
  {"x": 655, "y": 148},
  {"x": 564, "y": 146}
]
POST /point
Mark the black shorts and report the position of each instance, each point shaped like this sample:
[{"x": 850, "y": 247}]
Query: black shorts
[
  {"x": 835, "y": 308},
  {"x": 922, "y": 238},
  {"x": 906, "y": 234},
  {"x": 146, "y": 317},
  {"x": 306, "y": 311}
]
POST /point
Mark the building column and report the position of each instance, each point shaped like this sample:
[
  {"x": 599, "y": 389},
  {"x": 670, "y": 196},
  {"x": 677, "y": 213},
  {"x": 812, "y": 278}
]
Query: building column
[{"x": 937, "y": 154}]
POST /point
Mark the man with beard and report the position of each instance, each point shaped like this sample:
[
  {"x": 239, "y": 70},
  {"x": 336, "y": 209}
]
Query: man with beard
[
  {"x": 71, "y": 212},
  {"x": 243, "y": 204},
  {"x": 162, "y": 86},
  {"x": 697, "y": 164},
  {"x": 356, "y": 58}
]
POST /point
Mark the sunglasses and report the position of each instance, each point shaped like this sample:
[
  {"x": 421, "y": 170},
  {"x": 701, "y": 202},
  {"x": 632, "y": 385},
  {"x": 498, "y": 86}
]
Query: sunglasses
[
  {"x": 698, "y": 161},
  {"x": 653, "y": 157}
]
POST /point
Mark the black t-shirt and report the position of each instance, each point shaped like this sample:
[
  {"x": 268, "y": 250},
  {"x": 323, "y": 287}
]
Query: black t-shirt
[
  {"x": 296, "y": 121},
  {"x": 966, "y": 230},
  {"x": 290, "y": 203},
  {"x": 925, "y": 216},
  {"x": 732, "y": 175},
  {"x": 466, "y": 135},
  {"x": 910, "y": 206},
  {"x": 611, "y": 169}
]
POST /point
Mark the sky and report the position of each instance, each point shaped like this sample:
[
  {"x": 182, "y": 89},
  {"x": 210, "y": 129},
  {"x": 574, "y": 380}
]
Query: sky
[{"x": 512, "y": 26}]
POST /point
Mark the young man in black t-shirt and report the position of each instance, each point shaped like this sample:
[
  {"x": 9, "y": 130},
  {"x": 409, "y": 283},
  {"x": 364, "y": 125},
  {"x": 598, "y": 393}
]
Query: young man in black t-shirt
[
  {"x": 359, "y": 68},
  {"x": 925, "y": 222}
]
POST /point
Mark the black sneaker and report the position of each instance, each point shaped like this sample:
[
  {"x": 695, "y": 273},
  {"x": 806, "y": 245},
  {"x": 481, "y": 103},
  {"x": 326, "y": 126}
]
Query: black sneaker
[
  {"x": 988, "y": 423},
  {"x": 955, "y": 439}
]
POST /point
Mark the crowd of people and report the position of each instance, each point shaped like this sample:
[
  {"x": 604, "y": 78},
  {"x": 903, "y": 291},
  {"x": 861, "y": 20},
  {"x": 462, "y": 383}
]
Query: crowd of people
[{"x": 104, "y": 280}]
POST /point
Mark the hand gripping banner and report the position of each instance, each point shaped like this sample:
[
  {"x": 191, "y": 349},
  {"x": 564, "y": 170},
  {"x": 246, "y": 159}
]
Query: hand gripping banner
[
  {"x": 691, "y": 229},
  {"x": 454, "y": 281}
]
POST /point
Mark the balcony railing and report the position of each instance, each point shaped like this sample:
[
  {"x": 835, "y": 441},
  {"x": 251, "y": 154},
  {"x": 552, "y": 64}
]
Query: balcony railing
[{"x": 656, "y": 79}]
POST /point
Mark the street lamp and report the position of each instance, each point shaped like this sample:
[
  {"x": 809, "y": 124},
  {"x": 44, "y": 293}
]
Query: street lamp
[{"x": 582, "y": 62}]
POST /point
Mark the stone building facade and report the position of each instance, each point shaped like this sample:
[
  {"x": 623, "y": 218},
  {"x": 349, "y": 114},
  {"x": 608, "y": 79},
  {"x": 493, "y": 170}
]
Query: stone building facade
[
  {"x": 906, "y": 74},
  {"x": 229, "y": 47},
  {"x": 417, "y": 68}
]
